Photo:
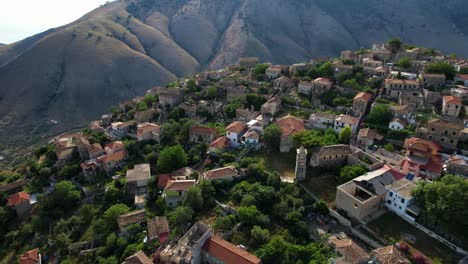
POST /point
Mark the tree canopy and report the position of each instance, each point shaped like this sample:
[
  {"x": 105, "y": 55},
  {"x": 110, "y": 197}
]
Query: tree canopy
[
  {"x": 172, "y": 158},
  {"x": 272, "y": 136},
  {"x": 441, "y": 67}
]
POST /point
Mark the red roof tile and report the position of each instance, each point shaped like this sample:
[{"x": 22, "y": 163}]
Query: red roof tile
[
  {"x": 228, "y": 253},
  {"x": 236, "y": 127},
  {"x": 18, "y": 198},
  {"x": 183, "y": 185},
  {"x": 163, "y": 179},
  {"x": 363, "y": 96},
  {"x": 290, "y": 125},
  {"x": 203, "y": 130},
  {"x": 221, "y": 172},
  {"x": 452, "y": 99},
  {"x": 30, "y": 257},
  {"x": 221, "y": 142}
]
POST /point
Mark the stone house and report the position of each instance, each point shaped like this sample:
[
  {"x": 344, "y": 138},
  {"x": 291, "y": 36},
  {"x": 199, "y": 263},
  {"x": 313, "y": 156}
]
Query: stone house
[
  {"x": 432, "y": 80},
  {"x": 190, "y": 109},
  {"x": 343, "y": 121},
  {"x": 175, "y": 189},
  {"x": 96, "y": 126},
  {"x": 282, "y": 83},
  {"x": 289, "y": 126},
  {"x": 444, "y": 132},
  {"x": 248, "y": 62},
  {"x": 339, "y": 67},
  {"x": 367, "y": 137},
  {"x": 349, "y": 55},
  {"x": 144, "y": 116},
  {"x": 321, "y": 120},
  {"x": 131, "y": 218},
  {"x": 393, "y": 87},
  {"x": 360, "y": 103},
  {"x": 202, "y": 134},
  {"x": 140, "y": 258},
  {"x": 411, "y": 97},
  {"x": 371, "y": 63},
  {"x": 389, "y": 158},
  {"x": 457, "y": 165},
  {"x": 364, "y": 159},
  {"x": 404, "y": 112},
  {"x": 106, "y": 120},
  {"x": 148, "y": 131},
  {"x": 274, "y": 72},
  {"x": 304, "y": 87},
  {"x": 388, "y": 254},
  {"x": 158, "y": 228},
  {"x": 451, "y": 106},
  {"x": 330, "y": 156},
  {"x": 251, "y": 137},
  {"x": 320, "y": 86},
  {"x": 364, "y": 195},
  {"x": 121, "y": 129},
  {"x": 350, "y": 252},
  {"x": 298, "y": 67},
  {"x": 228, "y": 173},
  {"x": 272, "y": 106},
  {"x": 246, "y": 114},
  {"x": 170, "y": 97},
  {"x": 20, "y": 202},
  {"x": 431, "y": 97},
  {"x": 237, "y": 92},
  {"x": 137, "y": 182}
]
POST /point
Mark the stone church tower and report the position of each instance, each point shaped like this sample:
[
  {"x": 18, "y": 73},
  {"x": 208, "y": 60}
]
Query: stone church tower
[{"x": 301, "y": 164}]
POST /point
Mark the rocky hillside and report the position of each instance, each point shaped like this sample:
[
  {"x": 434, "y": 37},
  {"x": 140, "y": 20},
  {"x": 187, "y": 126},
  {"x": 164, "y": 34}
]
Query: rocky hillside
[{"x": 73, "y": 73}]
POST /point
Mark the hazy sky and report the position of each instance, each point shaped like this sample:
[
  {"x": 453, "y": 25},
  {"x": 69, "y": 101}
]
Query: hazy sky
[{"x": 22, "y": 18}]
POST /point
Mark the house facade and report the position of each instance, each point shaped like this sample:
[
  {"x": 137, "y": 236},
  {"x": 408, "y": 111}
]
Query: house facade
[
  {"x": 360, "y": 103},
  {"x": 289, "y": 126},
  {"x": 451, "y": 106},
  {"x": 343, "y": 121}
]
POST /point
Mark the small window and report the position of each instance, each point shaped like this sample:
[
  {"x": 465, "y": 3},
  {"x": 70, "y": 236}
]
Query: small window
[
  {"x": 391, "y": 194},
  {"x": 402, "y": 200},
  {"x": 355, "y": 205}
]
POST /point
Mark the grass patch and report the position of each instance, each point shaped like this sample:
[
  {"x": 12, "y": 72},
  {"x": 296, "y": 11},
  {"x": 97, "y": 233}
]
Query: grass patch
[
  {"x": 283, "y": 163},
  {"x": 323, "y": 186},
  {"x": 393, "y": 229}
]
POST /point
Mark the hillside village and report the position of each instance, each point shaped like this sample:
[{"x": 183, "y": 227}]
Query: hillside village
[{"x": 356, "y": 159}]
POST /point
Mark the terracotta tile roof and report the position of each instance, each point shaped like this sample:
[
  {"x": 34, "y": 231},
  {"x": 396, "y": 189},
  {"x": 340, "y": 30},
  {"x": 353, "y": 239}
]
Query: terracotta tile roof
[
  {"x": 13, "y": 185},
  {"x": 363, "y": 96},
  {"x": 452, "y": 100},
  {"x": 18, "y": 198},
  {"x": 115, "y": 146},
  {"x": 347, "y": 119},
  {"x": 353, "y": 253},
  {"x": 147, "y": 127},
  {"x": 221, "y": 172},
  {"x": 203, "y": 130},
  {"x": 421, "y": 144},
  {"x": 30, "y": 257},
  {"x": 323, "y": 81},
  {"x": 236, "y": 127},
  {"x": 228, "y": 253},
  {"x": 116, "y": 156},
  {"x": 290, "y": 125},
  {"x": 182, "y": 185},
  {"x": 157, "y": 227},
  {"x": 131, "y": 218},
  {"x": 138, "y": 258},
  {"x": 462, "y": 76},
  {"x": 252, "y": 134},
  {"x": 221, "y": 142},
  {"x": 163, "y": 179},
  {"x": 389, "y": 255},
  {"x": 401, "y": 81}
]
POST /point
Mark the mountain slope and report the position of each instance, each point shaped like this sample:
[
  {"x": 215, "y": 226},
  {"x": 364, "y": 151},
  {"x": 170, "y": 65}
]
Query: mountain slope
[{"x": 73, "y": 73}]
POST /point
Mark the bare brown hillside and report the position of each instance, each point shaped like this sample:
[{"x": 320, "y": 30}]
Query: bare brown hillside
[{"x": 74, "y": 73}]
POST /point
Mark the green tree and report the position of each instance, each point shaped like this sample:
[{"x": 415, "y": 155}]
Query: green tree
[
  {"x": 193, "y": 199},
  {"x": 65, "y": 197},
  {"x": 171, "y": 158},
  {"x": 350, "y": 172},
  {"x": 326, "y": 70},
  {"x": 181, "y": 216},
  {"x": 208, "y": 192},
  {"x": 260, "y": 69},
  {"x": 225, "y": 223},
  {"x": 442, "y": 68},
  {"x": 404, "y": 63},
  {"x": 389, "y": 147},
  {"x": 255, "y": 100},
  {"x": 395, "y": 45},
  {"x": 321, "y": 208},
  {"x": 250, "y": 215},
  {"x": 110, "y": 215},
  {"x": 259, "y": 235},
  {"x": 272, "y": 136},
  {"x": 212, "y": 92},
  {"x": 379, "y": 117},
  {"x": 345, "y": 135},
  {"x": 231, "y": 108}
]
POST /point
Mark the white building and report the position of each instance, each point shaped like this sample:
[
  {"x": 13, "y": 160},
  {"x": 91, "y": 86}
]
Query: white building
[
  {"x": 397, "y": 124},
  {"x": 343, "y": 121},
  {"x": 400, "y": 200}
]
